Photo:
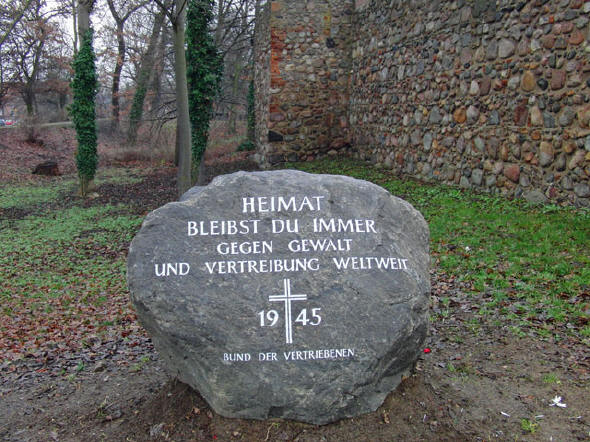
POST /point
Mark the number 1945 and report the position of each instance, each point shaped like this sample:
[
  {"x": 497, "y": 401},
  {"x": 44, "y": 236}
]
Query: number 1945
[{"x": 269, "y": 318}]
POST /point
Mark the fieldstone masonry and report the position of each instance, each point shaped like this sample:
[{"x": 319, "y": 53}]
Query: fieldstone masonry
[
  {"x": 305, "y": 47},
  {"x": 487, "y": 94}
]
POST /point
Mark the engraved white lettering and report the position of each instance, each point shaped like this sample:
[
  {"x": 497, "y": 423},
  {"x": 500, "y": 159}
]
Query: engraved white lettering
[
  {"x": 265, "y": 204},
  {"x": 225, "y": 227},
  {"x": 319, "y": 245},
  {"x": 370, "y": 262},
  {"x": 244, "y": 248},
  {"x": 176, "y": 269},
  {"x": 280, "y": 226},
  {"x": 303, "y": 355},
  {"x": 263, "y": 266},
  {"x": 339, "y": 225},
  {"x": 236, "y": 357}
]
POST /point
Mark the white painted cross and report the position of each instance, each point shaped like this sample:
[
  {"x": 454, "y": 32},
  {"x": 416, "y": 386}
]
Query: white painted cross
[{"x": 287, "y": 298}]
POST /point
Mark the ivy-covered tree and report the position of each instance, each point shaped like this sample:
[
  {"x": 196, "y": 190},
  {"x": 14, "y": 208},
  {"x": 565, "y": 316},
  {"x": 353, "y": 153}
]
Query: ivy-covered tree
[
  {"x": 82, "y": 111},
  {"x": 204, "y": 69},
  {"x": 251, "y": 112}
]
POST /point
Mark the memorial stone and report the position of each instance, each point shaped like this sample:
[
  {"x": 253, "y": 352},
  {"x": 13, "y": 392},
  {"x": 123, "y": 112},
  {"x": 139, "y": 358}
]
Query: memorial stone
[{"x": 285, "y": 294}]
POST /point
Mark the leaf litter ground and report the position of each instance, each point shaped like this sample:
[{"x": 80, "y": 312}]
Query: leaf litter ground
[{"x": 76, "y": 365}]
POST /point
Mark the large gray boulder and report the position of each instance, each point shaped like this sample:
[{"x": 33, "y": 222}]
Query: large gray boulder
[{"x": 285, "y": 294}]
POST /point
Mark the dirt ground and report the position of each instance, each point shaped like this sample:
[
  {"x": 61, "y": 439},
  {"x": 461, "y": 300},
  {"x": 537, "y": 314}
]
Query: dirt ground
[
  {"x": 474, "y": 381},
  {"x": 471, "y": 386}
]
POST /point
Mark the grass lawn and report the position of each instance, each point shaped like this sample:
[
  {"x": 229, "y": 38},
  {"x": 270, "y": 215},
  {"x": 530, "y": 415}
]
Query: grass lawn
[
  {"x": 529, "y": 265},
  {"x": 62, "y": 266}
]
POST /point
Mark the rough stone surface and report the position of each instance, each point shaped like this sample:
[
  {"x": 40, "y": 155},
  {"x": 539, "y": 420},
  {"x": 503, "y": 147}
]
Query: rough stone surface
[
  {"x": 512, "y": 172},
  {"x": 545, "y": 153},
  {"x": 558, "y": 79},
  {"x": 460, "y": 115},
  {"x": 206, "y": 323},
  {"x": 567, "y": 116},
  {"x": 477, "y": 176},
  {"x": 576, "y": 159},
  {"x": 472, "y": 113},
  {"x": 535, "y": 197},
  {"x": 302, "y": 76},
  {"x": 584, "y": 117},
  {"x": 528, "y": 81},
  {"x": 506, "y": 48},
  {"x": 391, "y": 68},
  {"x": 536, "y": 116},
  {"x": 582, "y": 190}
]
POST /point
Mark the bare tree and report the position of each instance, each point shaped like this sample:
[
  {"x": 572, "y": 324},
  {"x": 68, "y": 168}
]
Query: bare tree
[
  {"x": 146, "y": 68},
  {"x": 177, "y": 17},
  {"x": 11, "y": 18},
  {"x": 27, "y": 49},
  {"x": 120, "y": 17},
  {"x": 234, "y": 35}
]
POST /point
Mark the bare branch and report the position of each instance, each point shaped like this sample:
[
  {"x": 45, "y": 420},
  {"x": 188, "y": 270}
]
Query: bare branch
[{"x": 16, "y": 20}]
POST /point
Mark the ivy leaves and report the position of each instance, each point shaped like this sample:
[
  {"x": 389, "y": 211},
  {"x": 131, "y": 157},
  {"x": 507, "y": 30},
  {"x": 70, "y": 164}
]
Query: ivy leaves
[
  {"x": 82, "y": 111},
  {"x": 204, "y": 70}
]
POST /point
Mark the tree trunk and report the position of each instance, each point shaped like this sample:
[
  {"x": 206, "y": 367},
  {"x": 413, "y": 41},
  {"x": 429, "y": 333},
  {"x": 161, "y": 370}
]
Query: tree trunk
[
  {"x": 117, "y": 78},
  {"x": 75, "y": 24},
  {"x": 183, "y": 128},
  {"x": 146, "y": 68},
  {"x": 84, "y": 9},
  {"x": 158, "y": 69},
  {"x": 29, "y": 100},
  {"x": 30, "y": 123},
  {"x": 202, "y": 176},
  {"x": 221, "y": 10},
  {"x": 234, "y": 93}
]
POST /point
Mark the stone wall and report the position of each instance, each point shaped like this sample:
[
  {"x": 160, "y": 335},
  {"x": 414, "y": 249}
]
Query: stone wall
[
  {"x": 309, "y": 68},
  {"x": 262, "y": 80},
  {"x": 487, "y": 94}
]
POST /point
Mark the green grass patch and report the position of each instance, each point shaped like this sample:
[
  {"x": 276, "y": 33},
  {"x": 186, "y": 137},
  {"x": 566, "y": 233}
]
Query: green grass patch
[
  {"x": 531, "y": 262},
  {"x": 528, "y": 425},
  {"x": 33, "y": 194},
  {"x": 551, "y": 378},
  {"x": 48, "y": 255},
  {"x": 27, "y": 195},
  {"x": 118, "y": 176},
  {"x": 63, "y": 272}
]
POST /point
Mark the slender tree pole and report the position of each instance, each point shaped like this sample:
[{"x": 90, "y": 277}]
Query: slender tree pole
[
  {"x": 82, "y": 110},
  {"x": 183, "y": 129}
]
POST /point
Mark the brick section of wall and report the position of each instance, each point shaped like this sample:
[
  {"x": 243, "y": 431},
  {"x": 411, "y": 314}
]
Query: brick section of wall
[
  {"x": 309, "y": 66},
  {"x": 486, "y": 94},
  {"x": 262, "y": 80}
]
